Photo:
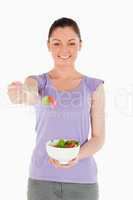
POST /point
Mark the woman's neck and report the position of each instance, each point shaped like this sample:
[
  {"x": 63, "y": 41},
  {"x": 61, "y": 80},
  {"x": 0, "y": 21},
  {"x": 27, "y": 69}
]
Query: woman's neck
[{"x": 64, "y": 72}]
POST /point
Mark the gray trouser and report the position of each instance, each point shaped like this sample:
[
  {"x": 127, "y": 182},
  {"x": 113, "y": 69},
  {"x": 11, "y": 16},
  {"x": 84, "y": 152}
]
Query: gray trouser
[{"x": 50, "y": 190}]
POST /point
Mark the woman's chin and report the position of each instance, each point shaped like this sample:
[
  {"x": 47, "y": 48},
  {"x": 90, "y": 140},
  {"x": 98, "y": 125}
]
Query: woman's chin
[{"x": 65, "y": 64}]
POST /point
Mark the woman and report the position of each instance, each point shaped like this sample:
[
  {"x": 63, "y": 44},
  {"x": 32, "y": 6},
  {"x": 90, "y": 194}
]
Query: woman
[{"x": 80, "y": 103}]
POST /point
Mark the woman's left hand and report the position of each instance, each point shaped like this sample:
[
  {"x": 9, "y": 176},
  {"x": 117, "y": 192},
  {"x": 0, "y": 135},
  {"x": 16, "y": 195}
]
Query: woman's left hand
[{"x": 57, "y": 164}]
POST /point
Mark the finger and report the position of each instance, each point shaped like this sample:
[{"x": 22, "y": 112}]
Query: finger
[
  {"x": 49, "y": 161},
  {"x": 57, "y": 164},
  {"x": 66, "y": 166},
  {"x": 72, "y": 162},
  {"x": 53, "y": 162}
]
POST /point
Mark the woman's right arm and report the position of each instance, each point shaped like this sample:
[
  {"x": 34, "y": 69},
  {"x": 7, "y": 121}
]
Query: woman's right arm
[{"x": 26, "y": 92}]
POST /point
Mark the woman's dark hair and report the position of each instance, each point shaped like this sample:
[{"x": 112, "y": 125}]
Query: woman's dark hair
[{"x": 64, "y": 22}]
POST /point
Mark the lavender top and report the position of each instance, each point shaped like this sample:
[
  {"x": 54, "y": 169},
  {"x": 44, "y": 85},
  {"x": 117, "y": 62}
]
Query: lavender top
[{"x": 70, "y": 119}]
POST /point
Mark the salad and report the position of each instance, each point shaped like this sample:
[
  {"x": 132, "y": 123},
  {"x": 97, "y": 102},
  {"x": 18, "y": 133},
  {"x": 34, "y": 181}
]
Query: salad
[
  {"x": 49, "y": 100},
  {"x": 66, "y": 143}
]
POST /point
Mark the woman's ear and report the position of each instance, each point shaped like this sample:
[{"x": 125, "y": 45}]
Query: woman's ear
[
  {"x": 80, "y": 45},
  {"x": 48, "y": 45}
]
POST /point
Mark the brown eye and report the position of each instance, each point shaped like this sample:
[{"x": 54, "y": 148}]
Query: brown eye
[
  {"x": 56, "y": 44},
  {"x": 72, "y": 44}
]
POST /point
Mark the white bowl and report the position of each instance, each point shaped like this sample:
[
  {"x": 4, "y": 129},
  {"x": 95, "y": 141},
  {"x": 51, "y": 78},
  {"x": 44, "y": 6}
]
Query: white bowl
[{"x": 63, "y": 155}]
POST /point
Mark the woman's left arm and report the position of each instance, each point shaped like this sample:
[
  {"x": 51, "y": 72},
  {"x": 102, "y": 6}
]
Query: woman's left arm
[{"x": 97, "y": 115}]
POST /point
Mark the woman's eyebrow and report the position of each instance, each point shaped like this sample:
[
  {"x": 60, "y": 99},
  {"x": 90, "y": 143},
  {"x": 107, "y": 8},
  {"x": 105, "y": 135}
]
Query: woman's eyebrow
[
  {"x": 71, "y": 39},
  {"x": 55, "y": 39},
  {"x": 60, "y": 40}
]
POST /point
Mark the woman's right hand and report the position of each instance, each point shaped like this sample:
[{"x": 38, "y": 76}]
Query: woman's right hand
[
  {"x": 23, "y": 93},
  {"x": 16, "y": 93}
]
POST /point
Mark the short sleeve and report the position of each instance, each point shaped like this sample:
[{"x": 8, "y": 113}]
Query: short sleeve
[
  {"x": 41, "y": 80},
  {"x": 97, "y": 82},
  {"x": 93, "y": 83}
]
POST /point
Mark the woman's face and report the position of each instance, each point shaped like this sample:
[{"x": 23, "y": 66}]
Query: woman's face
[{"x": 64, "y": 45}]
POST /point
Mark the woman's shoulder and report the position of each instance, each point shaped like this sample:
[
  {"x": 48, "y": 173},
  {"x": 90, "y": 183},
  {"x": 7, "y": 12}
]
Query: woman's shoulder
[
  {"x": 40, "y": 78},
  {"x": 93, "y": 82}
]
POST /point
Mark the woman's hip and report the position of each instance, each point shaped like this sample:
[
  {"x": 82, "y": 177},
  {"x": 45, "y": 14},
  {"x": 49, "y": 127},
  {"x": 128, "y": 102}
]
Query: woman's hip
[{"x": 50, "y": 190}]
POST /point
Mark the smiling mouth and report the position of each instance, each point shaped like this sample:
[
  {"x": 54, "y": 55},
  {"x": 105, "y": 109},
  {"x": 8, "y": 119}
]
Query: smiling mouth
[{"x": 64, "y": 57}]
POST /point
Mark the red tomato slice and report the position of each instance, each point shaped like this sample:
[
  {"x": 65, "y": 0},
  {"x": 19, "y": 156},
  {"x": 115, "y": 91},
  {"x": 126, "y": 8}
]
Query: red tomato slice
[
  {"x": 70, "y": 145},
  {"x": 51, "y": 99}
]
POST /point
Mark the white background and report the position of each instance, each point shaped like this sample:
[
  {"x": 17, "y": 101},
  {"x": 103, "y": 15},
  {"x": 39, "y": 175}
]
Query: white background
[{"x": 107, "y": 34}]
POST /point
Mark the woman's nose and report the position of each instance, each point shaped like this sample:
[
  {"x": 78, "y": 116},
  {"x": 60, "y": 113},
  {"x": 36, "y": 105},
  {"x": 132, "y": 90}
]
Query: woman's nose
[{"x": 64, "y": 49}]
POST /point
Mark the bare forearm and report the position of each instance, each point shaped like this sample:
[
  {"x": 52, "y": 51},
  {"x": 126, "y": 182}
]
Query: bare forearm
[
  {"x": 30, "y": 88},
  {"x": 90, "y": 147},
  {"x": 31, "y": 97},
  {"x": 19, "y": 94}
]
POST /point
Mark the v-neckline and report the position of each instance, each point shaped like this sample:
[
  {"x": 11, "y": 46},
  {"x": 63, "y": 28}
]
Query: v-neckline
[{"x": 65, "y": 91}]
